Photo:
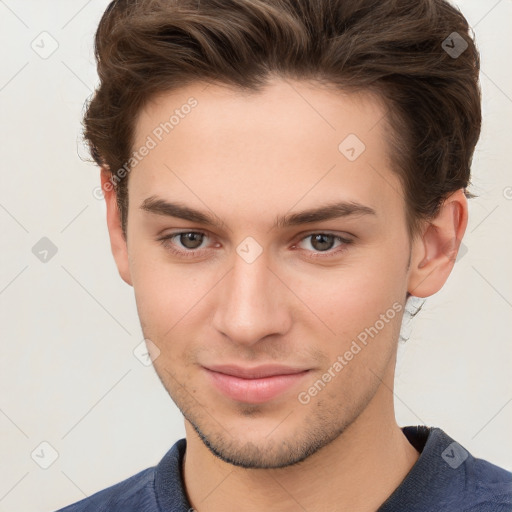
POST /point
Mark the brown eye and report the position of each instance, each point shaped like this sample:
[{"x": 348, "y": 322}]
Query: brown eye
[
  {"x": 191, "y": 240},
  {"x": 324, "y": 245},
  {"x": 185, "y": 244},
  {"x": 322, "y": 241}
]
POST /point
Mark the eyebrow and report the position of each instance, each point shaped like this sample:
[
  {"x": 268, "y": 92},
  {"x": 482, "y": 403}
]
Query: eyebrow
[{"x": 329, "y": 211}]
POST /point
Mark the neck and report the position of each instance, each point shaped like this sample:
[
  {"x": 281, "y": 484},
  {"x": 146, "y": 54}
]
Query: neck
[{"x": 357, "y": 471}]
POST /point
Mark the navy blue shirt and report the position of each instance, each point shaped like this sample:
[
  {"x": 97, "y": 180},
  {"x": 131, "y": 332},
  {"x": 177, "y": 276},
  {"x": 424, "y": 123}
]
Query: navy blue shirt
[{"x": 445, "y": 478}]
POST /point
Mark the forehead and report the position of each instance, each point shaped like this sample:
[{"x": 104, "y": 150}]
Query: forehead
[{"x": 292, "y": 142}]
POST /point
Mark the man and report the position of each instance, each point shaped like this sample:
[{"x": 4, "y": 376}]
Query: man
[{"x": 280, "y": 178}]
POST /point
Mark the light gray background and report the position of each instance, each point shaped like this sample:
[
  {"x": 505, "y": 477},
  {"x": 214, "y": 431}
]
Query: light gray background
[{"x": 68, "y": 375}]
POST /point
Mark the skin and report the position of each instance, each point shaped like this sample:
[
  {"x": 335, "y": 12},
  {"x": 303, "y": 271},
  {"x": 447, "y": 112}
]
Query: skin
[{"x": 247, "y": 158}]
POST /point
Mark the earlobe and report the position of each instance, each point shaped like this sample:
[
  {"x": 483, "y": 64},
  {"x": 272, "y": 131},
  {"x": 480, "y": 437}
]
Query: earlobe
[
  {"x": 435, "y": 250},
  {"x": 118, "y": 242}
]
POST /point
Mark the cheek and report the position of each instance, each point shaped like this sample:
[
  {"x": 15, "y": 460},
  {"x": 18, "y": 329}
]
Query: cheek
[
  {"x": 166, "y": 294},
  {"x": 361, "y": 302},
  {"x": 352, "y": 295}
]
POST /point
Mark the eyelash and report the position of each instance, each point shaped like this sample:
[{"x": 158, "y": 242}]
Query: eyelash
[{"x": 165, "y": 241}]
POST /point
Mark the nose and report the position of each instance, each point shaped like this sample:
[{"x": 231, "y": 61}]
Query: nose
[{"x": 252, "y": 303}]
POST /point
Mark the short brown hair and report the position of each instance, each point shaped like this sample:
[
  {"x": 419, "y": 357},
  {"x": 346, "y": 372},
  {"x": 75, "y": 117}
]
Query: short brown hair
[{"x": 394, "y": 48}]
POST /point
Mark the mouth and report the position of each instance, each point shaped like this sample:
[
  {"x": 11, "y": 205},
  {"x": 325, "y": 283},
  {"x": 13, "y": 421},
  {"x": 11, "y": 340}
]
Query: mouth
[{"x": 254, "y": 385}]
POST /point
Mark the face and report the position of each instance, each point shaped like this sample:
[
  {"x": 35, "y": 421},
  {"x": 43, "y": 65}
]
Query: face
[{"x": 273, "y": 330}]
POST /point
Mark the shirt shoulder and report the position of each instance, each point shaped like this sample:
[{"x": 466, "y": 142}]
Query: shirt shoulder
[
  {"x": 448, "y": 478},
  {"x": 136, "y": 493},
  {"x": 156, "y": 489},
  {"x": 490, "y": 486}
]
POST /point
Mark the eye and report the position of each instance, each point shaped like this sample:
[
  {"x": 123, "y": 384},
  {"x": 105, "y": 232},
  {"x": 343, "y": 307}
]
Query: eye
[
  {"x": 187, "y": 244},
  {"x": 190, "y": 240},
  {"x": 323, "y": 243}
]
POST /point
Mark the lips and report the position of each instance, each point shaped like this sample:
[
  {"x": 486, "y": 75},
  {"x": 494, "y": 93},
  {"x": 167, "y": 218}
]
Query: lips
[
  {"x": 257, "y": 372},
  {"x": 254, "y": 385}
]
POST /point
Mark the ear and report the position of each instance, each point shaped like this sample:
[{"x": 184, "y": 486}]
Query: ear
[
  {"x": 118, "y": 242},
  {"x": 435, "y": 250}
]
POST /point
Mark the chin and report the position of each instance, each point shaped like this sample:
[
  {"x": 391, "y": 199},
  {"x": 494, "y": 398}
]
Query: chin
[{"x": 263, "y": 448}]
